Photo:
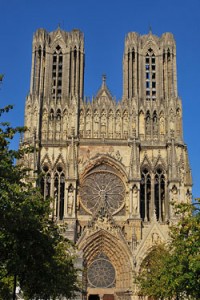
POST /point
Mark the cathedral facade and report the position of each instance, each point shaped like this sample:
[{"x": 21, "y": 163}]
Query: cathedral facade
[{"x": 112, "y": 168}]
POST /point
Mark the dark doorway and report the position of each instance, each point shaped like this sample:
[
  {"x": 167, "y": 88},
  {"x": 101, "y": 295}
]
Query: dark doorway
[{"x": 94, "y": 297}]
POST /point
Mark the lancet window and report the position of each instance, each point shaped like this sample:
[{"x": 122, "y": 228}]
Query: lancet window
[
  {"x": 57, "y": 69},
  {"x": 145, "y": 195},
  {"x": 59, "y": 189},
  {"x": 38, "y": 69},
  {"x": 150, "y": 75},
  {"x": 160, "y": 205},
  {"x": 46, "y": 182},
  {"x": 131, "y": 72},
  {"x": 53, "y": 185}
]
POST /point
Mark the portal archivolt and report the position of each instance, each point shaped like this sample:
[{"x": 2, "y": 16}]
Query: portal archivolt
[{"x": 110, "y": 252}]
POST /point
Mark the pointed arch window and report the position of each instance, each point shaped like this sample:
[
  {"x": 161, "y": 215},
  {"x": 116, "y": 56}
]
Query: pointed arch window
[
  {"x": 160, "y": 205},
  {"x": 57, "y": 70},
  {"x": 131, "y": 72},
  {"x": 145, "y": 195},
  {"x": 150, "y": 75},
  {"x": 59, "y": 193},
  {"x": 46, "y": 182},
  {"x": 39, "y": 69}
]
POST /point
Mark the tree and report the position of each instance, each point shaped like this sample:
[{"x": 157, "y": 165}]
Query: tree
[
  {"x": 174, "y": 272},
  {"x": 33, "y": 254}
]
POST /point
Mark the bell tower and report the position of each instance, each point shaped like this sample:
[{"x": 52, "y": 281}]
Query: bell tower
[
  {"x": 57, "y": 77},
  {"x": 51, "y": 114},
  {"x": 57, "y": 64},
  {"x": 149, "y": 66}
]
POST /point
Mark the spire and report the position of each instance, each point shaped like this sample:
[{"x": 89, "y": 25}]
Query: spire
[
  {"x": 103, "y": 89},
  {"x": 103, "y": 80},
  {"x": 150, "y": 29}
]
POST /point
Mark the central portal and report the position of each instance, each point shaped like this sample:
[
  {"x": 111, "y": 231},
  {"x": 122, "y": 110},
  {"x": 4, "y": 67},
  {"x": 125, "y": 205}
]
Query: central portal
[
  {"x": 105, "y": 297},
  {"x": 94, "y": 297}
]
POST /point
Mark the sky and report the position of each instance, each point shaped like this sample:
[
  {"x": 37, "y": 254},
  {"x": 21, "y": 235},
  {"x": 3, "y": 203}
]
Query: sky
[{"x": 105, "y": 24}]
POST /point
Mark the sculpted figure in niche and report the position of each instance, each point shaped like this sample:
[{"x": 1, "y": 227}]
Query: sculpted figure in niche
[
  {"x": 44, "y": 125},
  {"x": 96, "y": 123},
  {"x": 70, "y": 202},
  {"x": 81, "y": 123},
  {"x": 103, "y": 122},
  {"x": 118, "y": 124},
  {"x": 141, "y": 122},
  {"x": 135, "y": 200},
  {"x": 125, "y": 123},
  {"x": 174, "y": 198},
  {"x": 58, "y": 124},
  {"x": 51, "y": 115},
  {"x": 51, "y": 130},
  {"x": 162, "y": 125},
  {"x": 133, "y": 123},
  {"x": 88, "y": 123},
  {"x": 155, "y": 238},
  {"x": 58, "y": 115},
  {"x": 110, "y": 123},
  {"x": 65, "y": 122},
  {"x": 58, "y": 128},
  {"x": 155, "y": 125},
  {"x": 148, "y": 123},
  {"x": 118, "y": 155}
]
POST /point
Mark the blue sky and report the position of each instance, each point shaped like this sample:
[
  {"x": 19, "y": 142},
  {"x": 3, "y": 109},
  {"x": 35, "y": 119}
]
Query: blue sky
[{"x": 105, "y": 24}]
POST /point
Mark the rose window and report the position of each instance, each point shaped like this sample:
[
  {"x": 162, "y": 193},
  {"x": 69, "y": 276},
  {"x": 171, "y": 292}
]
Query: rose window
[
  {"x": 102, "y": 188},
  {"x": 101, "y": 273}
]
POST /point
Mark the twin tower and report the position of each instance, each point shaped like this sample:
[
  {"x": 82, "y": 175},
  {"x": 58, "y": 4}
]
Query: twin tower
[{"x": 111, "y": 168}]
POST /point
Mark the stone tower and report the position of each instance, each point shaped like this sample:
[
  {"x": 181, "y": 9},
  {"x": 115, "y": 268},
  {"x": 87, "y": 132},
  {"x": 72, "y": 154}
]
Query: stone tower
[{"x": 112, "y": 168}]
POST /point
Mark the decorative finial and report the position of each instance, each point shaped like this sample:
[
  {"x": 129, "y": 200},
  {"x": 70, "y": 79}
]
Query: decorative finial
[
  {"x": 103, "y": 79},
  {"x": 150, "y": 29}
]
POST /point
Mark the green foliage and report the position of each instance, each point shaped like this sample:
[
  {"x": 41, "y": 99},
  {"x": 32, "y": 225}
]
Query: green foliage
[
  {"x": 173, "y": 271},
  {"x": 31, "y": 248}
]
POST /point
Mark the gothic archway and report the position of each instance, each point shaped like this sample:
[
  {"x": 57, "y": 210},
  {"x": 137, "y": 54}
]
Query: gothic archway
[{"x": 107, "y": 252}]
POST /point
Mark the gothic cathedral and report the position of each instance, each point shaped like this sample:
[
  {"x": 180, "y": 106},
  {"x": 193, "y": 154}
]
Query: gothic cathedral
[{"x": 112, "y": 168}]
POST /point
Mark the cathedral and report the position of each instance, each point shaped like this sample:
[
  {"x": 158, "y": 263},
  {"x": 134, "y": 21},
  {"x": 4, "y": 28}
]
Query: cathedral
[{"x": 112, "y": 168}]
